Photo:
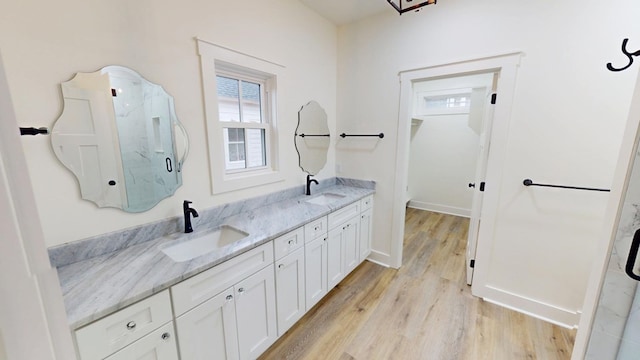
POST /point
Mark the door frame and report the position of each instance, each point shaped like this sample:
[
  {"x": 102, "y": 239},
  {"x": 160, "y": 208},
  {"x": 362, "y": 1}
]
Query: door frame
[
  {"x": 506, "y": 66},
  {"x": 626, "y": 157},
  {"x": 33, "y": 322}
]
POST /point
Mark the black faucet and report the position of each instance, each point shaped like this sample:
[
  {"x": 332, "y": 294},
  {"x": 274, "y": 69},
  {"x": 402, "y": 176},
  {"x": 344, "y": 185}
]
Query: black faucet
[
  {"x": 187, "y": 216},
  {"x": 309, "y": 181}
]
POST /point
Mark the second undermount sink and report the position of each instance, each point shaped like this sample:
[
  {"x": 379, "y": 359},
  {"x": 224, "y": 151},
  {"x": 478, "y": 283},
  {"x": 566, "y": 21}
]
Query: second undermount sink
[
  {"x": 198, "y": 245},
  {"x": 325, "y": 199}
]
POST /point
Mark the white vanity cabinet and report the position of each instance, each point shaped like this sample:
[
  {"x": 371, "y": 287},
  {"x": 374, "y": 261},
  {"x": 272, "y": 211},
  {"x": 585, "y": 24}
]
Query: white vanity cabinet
[
  {"x": 315, "y": 257},
  {"x": 343, "y": 249},
  {"x": 366, "y": 208},
  {"x": 290, "y": 279},
  {"x": 127, "y": 329},
  {"x": 228, "y": 311}
]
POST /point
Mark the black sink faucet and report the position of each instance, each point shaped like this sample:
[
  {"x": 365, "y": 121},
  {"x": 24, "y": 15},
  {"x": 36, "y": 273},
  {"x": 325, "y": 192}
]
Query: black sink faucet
[
  {"x": 309, "y": 181},
  {"x": 188, "y": 211}
]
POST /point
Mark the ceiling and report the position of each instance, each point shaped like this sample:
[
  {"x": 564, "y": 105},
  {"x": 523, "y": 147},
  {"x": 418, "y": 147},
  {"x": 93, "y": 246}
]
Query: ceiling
[{"x": 345, "y": 11}]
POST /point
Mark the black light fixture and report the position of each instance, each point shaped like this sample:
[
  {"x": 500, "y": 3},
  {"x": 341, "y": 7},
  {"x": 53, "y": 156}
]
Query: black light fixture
[{"x": 408, "y": 5}]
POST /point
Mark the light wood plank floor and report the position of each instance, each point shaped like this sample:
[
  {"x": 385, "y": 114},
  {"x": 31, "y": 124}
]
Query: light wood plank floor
[{"x": 424, "y": 310}]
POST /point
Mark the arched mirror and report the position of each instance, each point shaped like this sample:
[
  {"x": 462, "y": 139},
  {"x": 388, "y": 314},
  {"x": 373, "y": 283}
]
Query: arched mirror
[
  {"x": 119, "y": 135},
  {"x": 312, "y": 138}
]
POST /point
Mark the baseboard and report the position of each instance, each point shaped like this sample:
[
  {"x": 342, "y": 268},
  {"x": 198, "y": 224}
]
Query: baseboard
[
  {"x": 535, "y": 308},
  {"x": 450, "y": 210},
  {"x": 379, "y": 258}
]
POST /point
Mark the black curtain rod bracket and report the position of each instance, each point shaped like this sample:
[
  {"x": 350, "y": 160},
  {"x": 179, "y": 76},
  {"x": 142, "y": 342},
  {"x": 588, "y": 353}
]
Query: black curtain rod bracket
[
  {"x": 381, "y": 135},
  {"x": 314, "y": 135},
  {"x": 34, "y": 131},
  {"x": 529, "y": 182}
]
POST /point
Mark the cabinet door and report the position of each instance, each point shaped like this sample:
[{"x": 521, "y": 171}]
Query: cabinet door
[
  {"x": 315, "y": 264},
  {"x": 365, "y": 234},
  {"x": 256, "y": 313},
  {"x": 209, "y": 331},
  {"x": 158, "y": 345},
  {"x": 335, "y": 259},
  {"x": 290, "y": 290},
  {"x": 351, "y": 243}
]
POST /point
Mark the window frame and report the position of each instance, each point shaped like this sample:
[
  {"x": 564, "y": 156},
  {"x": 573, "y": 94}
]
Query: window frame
[{"x": 216, "y": 60}]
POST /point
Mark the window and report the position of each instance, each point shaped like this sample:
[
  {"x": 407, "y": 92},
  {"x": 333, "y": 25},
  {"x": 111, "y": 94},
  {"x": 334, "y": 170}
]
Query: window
[
  {"x": 443, "y": 102},
  {"x": 240, "y": 103}
]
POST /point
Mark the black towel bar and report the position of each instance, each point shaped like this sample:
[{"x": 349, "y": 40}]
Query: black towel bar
[
  {"x": 317, "y": 135},
  {"x": 381, "y": 135},
  {"x": 529, "y": 182},
  {"x": 34, "y": 131}
]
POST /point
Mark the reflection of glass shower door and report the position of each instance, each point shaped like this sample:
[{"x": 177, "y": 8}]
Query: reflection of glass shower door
[{"x": 616, "y": 327}]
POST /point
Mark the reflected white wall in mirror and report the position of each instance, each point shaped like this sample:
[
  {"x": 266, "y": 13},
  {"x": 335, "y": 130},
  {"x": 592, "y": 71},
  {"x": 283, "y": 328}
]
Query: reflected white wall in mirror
[
  {"x": 119, "y": 135},
  {"x": 312, "y": 138}
]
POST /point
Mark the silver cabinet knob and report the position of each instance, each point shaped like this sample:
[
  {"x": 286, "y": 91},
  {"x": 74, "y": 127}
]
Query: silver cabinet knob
[
  {"x": 280, "y": 266},
  {"x": 165, "y": 336},
  {"x": 131, "y": 325},
  {"x": 290, "y": 242},
  {"x": 241, "y": 290},
  {"x": 229, "y": 297}
]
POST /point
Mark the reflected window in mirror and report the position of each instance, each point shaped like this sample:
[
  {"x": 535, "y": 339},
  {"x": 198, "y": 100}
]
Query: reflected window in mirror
[{"x": 240, "y": 104}]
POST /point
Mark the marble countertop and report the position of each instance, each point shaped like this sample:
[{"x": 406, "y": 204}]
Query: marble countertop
[{"x": 101, "y": 285}]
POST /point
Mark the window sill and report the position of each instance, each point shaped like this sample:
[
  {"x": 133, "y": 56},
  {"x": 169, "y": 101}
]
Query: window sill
[{"x": 244, "y": 180}]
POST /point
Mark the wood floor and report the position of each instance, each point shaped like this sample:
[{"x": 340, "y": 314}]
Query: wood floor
[{"x": 422, "y": 311}]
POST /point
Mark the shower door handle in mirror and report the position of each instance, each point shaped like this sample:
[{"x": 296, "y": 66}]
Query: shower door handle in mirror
[
  {"x": 169, "y": 165},
  {"x": 633, "y": 256}
]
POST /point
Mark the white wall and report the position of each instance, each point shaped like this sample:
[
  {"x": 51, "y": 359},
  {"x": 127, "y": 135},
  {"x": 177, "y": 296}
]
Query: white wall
[
  {"x": 46, "y": 43},
  {"x": 566, "y": 125}
]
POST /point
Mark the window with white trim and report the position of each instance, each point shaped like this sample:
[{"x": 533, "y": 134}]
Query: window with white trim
[{"x": 240, "y": 103}]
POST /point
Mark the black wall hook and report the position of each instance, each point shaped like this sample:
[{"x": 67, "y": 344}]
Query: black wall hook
[{"x": 629, "y": 56}]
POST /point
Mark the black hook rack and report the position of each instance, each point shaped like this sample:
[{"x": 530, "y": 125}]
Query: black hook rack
[
  {"x": 381, "y": 135},
  {"x": 34, "y": 131},
  {"x": 529, "y": 182},
  {"x": 312, "y": 135}
]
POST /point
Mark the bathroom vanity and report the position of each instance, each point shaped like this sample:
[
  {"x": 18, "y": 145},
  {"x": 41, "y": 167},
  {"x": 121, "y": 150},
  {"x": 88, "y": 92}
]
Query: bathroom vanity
[{"x": 229, "y": 303}]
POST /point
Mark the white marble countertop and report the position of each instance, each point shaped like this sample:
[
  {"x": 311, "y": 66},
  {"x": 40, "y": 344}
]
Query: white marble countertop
[{"x": 101, "y": 285}]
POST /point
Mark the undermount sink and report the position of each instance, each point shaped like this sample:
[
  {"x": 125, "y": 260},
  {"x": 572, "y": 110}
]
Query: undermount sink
[
  {"x": 198, "y": 245},
  {"x": 325, "y": 199}
]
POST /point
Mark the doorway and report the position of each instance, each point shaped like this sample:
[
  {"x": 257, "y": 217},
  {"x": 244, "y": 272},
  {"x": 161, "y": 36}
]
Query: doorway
[
  {"x": 450, "y": 132},
  {"x": 506, "y": 68}
]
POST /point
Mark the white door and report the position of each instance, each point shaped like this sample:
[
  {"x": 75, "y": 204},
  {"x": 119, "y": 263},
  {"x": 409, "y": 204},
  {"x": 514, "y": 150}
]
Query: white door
[
  {"x": 85, "y": 136},
  {"x": 33, "y": 322},
  {"x": 209, "y": 330},
  {"x": 290, "y": 289},
  {"x": 335, "y": 257},
  {"x": 365, "y": 234},
  {"x": 315, "y": 263},
  {"x": 478, "y": 185},
  {"x": 351, "y": 241},
  {"x": 256, "y": 313}
]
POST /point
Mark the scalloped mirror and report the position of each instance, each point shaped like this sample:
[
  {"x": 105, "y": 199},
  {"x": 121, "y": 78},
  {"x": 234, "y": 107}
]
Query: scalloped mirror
[
  {"x": 119, "y": 135},
  {"x": 312, "y": 138}
]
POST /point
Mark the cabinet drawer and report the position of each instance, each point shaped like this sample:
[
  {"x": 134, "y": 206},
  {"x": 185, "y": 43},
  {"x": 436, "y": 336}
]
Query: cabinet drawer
[
  {"x": 315, "y": 229},
  {"x": 366, "y": 203},
  {"x": 195, "y": 290},
  {"x": 103, "y": 337},
  {"x": 288, "y": 243},
  {"x": 159, "y": 345},
  {"x": 338, "y": 217}
]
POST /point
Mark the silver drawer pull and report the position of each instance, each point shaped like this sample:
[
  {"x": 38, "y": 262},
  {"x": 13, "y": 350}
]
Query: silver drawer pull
[
  {"x": 165, "y": 336},
  {"x": 229, "y": 297},
  {"x": 131, "y": 325}
]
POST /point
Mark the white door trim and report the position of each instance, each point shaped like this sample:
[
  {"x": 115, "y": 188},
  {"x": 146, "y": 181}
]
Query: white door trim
[
  {"x": 506, "y": 65},
  {"x": 626, "y": 157},
  {"x": 33, "y": 322}
]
